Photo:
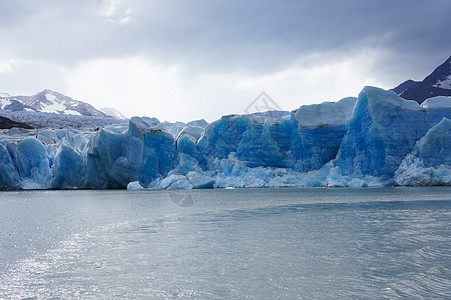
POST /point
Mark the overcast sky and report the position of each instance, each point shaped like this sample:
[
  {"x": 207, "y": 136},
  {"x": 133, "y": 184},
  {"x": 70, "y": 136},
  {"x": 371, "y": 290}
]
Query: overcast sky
[{"x": 185, "y": 60}]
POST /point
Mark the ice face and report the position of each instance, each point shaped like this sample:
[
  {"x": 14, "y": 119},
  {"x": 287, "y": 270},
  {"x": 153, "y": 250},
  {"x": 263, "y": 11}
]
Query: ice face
[
  {"x": 33, "y": 164},
  {"x": 139, "y": 154},
  {"x": 375, "y": 139},
  {"x": 69, "y": 168},
  {"x": 9, "y": 177},
  {"x": 434, "y": 148},
  {"x": 298, "y": 141},
  {"x": 430, "y": 161},
  {"x": 437, "y": 109},
  {"x": 382, "y": 130},
  {"x": 319, "y": 134}
]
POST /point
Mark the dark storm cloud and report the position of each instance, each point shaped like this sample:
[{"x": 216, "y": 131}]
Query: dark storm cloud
[{"x": 252, "y": 35}]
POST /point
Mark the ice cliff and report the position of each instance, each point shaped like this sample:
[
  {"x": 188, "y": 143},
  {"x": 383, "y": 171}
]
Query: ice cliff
[
  {"x": 375, "y": 139},
  {"x": 430, "y": 161}
]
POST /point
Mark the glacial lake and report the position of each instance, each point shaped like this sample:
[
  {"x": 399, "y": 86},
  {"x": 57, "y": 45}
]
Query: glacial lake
[{"x": 286, "y": 243}]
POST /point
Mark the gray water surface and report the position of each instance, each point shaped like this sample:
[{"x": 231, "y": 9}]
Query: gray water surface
[{"x": 315, "y": 243}]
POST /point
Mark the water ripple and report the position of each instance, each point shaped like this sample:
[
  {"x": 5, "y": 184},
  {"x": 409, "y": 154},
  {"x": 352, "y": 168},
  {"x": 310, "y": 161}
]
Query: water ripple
[{"x": 234, "y": 248}]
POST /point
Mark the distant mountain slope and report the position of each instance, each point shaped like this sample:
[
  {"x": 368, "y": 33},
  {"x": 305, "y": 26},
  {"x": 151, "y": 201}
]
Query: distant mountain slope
[
  {"x": 404, "y": 86},
  {"x": 50, "y": 102},
  {"x": 438, "y": 83},
  {"x": 6, "y": 123},
  {"x": 113, "y": 113},
  {"x": 51, "y": 120}
]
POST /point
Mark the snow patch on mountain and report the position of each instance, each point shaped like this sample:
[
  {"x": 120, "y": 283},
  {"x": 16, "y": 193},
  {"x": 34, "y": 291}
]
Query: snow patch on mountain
[
  {"x": 113, "y": 113},
  {"x": 4, "y": 102},
  {"x": 444, "y": 84}
]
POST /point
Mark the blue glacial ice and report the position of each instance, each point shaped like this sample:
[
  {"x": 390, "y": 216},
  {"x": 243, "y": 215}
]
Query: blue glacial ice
[
  {"x": 375, "y": 139},
  {"x": 382, "y": 130},
  {"x": 141, "y": 153},
  {"x": 9, "y": 176},
  {"x": 33, "y": 164},
  {"x": 437, "y": 108},
  {"x": 430, "y": 161}
]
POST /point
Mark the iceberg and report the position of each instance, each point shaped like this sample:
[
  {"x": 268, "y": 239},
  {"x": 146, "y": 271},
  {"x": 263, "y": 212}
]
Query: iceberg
[{"x": 375, "y": 139}]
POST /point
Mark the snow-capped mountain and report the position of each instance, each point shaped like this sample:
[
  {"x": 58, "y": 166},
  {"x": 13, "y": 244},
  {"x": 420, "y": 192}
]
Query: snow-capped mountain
[
  {"x": 438, "y": 83},
  {"x": 50, "y": 102},
  {"x": 113, "y": 113}
]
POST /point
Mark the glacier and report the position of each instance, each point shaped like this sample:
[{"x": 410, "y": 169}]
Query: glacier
[
  {"x": 429, "y": 163},
  {"x": 376, "y": 139},
  {"x": 380, "y": 133}
]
